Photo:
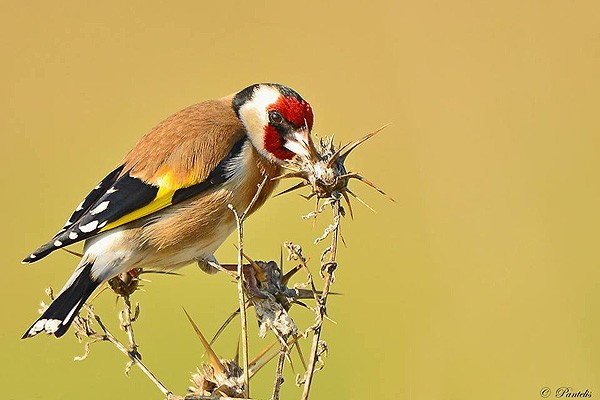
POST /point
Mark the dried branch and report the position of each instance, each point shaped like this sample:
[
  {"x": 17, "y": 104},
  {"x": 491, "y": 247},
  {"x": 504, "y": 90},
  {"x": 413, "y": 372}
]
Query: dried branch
[
  {"x": 279, "y": 372},
  {"x": 124, "y": 285},
  {"x": 83, "y": 326},
  {"x": 329, "y": 268}
]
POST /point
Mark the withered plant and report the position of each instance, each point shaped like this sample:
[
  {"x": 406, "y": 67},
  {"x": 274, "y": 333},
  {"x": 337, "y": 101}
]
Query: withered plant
[{"x": 260, "y": 285}]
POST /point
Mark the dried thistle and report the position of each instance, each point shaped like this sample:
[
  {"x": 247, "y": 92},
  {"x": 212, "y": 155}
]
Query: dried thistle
[
  {"x": 219, "y": 378},
  {"x": 268, "y": 292},
  {"x": 271, "y": 300},
  {"x": 223, "y": 377},
  {"x": 208, "y": 382},
  {"x": 323, "y": 170}
]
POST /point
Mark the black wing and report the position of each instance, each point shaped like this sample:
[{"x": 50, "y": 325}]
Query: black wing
[{"x": 119, "y": 200}]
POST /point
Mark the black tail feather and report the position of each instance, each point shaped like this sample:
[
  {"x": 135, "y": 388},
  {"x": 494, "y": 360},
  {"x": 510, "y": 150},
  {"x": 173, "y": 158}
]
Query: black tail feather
[{"x": 58, "y": 317}]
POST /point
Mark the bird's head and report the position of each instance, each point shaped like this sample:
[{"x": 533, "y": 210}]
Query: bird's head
[{"x": 278, "y": 120}]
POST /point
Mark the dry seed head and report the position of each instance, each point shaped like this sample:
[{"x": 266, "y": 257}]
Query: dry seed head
[
  {"x": 268, "y": 292},
  {"x": 323, "y": 173},
  {"x": 271, "y": 315},
  {"x": 323, "y": 170},
  {"x": 206, "y": 381},
  {"x": 221, "y": 377},
  {"x": 270, "y": 299},
  {"x": 126, "y": 283}
]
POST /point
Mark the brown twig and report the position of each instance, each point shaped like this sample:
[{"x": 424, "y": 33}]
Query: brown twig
[
  {"x": 279, "y": 372},
  {"x": 133, "y": 356},
  {"x": 126, "y": 324},
  {"x": 240, "y": 228}
]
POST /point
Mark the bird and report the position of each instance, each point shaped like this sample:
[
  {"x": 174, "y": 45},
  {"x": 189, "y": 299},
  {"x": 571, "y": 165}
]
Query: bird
[{"x": 165, "y": 205}]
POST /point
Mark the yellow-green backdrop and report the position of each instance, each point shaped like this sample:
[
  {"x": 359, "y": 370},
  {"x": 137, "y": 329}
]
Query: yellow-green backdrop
[{"x": 480, "y": 283}]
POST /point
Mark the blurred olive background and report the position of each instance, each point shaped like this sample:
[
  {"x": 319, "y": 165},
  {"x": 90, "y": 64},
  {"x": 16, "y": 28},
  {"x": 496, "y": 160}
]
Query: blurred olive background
[{"x": 480, "y": 283}]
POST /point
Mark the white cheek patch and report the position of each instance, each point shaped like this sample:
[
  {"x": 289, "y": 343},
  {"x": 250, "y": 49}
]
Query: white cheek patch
[{"x": 254, "y": 113}]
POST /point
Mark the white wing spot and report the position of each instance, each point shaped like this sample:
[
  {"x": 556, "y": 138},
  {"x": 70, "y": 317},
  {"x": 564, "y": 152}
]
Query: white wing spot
[
  {"x": 79, "y": 207},
  {"x": 73, "y": 235},
  {"x": 57, "y": 243},
  {"x": 32, "y": 256},
  {"x": 101, "y": 207},
  {"x": 87, "y": 228},
  {"x": 102, "y": 225},
  {"x": 111, "y": 190}
]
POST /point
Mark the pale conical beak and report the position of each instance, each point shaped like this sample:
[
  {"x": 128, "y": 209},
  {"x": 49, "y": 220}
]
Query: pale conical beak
[{"x": 300, "y": 143}]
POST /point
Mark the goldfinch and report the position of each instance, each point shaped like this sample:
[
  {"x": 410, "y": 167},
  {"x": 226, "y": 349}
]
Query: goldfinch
[{"x": 165, "y": 205}]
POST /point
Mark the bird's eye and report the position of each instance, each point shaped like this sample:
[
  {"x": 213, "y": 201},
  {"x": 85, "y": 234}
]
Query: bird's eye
[{"x": 275, "y": 117}]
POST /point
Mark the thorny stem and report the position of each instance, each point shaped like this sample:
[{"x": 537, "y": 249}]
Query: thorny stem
[
  {"x": 311, "y": 281},
  {"x": 133, "y": 356},
  {"x": 322, "y": 303},
  {"x": 240, "y": 228},
  {"x": 279, "y": 373}
]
